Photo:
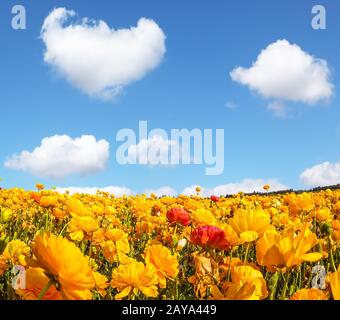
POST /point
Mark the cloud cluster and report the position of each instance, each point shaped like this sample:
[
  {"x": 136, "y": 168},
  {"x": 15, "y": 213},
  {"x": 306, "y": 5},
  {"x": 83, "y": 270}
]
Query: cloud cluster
[
  {"x": 162, "y": 191},
  {"x": 61, "y": 156},
  {"x": 246, "y": 185},
  {"x": 99, "y": 60},
  {"x": 115, "y": 190},
  {"x": 284, "y": 71},
  {"x": 323, "y": 174}
]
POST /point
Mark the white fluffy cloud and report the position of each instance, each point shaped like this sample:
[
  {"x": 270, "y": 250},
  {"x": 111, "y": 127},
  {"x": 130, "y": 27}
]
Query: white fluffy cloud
[
  {"x": 246, "y": 185},
  {"x": 322, "y": 174},
  {"x": 162, "y": 191},
  {"x": 97, "y": 59},
  {"x": 115, "y": 190},
  {"x": 60, "y": 156},
  {"x": 285, "y": 71}
]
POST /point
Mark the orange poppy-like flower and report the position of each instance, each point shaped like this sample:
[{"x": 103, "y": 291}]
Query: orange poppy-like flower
[
  {"x": 309, "y": 294},
  {"x": 209, "y": 236},
  {"x": 246, "y": 283},
  {"x": 35, "y": 281},
  {"x": 134, "y": 277},
  {"x": 164, "y": 262},
  {"x": 65, "y": 266}
]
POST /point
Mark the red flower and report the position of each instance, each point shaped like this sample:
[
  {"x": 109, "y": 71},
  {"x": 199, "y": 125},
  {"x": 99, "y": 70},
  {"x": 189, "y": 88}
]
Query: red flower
[
  {"x": 215, "y": 198},
  {"x": 209, "y": 236},
  {"x": 178, "y": 215}
]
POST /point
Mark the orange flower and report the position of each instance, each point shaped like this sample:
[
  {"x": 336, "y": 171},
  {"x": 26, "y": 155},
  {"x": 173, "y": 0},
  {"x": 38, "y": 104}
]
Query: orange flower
[
  {"x": 164, "y": 262},
  {"x": 309, "y": 294},
  {"x": 246, "y": 283},
  {"x": 36, "y": 280},
  {"x": 287, "y": 249},
  {"x": 134, "y": 277},
  {"x": 250, "y": 224},
  {"x": 334, "y": 280},
  {"x": 65, "y": 266}
]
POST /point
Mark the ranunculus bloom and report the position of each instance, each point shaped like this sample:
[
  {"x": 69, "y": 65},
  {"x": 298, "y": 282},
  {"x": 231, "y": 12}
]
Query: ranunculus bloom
[
  {"x": 246, "y": 283},
  {"x": 209, "y": 236},
  {"x": 134, "y": 277},
  {"x": 309, "y": 294},
  {"x": 215, "y": 198},
  {"x": 334, "y": 280},
  {"x": 63, "y": 261},
  {"x": 287, "y": 249},
  {"x": 36, "y": 280},
  {"x": 178, "y": 215},
  {"x": 250, "y": 224},
  {"x": 164, "y": 262}
]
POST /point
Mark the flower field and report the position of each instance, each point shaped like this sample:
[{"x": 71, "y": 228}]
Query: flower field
[{"x": 244, "y": 247}]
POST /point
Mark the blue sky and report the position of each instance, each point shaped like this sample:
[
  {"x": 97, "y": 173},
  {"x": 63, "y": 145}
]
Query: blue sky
[{"x": 189, "y": 88}]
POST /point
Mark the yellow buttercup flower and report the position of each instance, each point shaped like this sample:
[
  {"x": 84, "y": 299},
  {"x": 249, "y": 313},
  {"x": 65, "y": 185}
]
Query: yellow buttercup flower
[
  {"x": 134, "y": 277},
  {"x": 164, "y": 262}
]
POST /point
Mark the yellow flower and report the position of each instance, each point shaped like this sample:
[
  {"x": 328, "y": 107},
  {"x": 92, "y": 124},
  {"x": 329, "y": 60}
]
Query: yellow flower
[
  {"x": 323, "y": 214},
  {"x": 116, "y": 246},
  {"x": 250, "y": 224},
  {"x": 40, "y": 186},
  {"x": 246, "y": 283},
  {"x": 35, "y": 281},
  {"x": 48, "y": 201},
  {"x": 101, "y": 283},
  {"x": 64, "y": 263},
  {"x": 287, "y": 249},
  {"x": 309, "y": 294},
  {"x": 164, "y": 262},
  {"x": 134, "y": 277},
  {"x": 15, "y": 253},
  {"x": 82, "y": 225},
  {"x": 334, "y": 280},
  {"x": 76, "y": 207},
  {"x": 203, "y": 217}
]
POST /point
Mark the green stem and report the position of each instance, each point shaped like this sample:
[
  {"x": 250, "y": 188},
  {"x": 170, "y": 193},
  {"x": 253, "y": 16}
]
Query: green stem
[
  {"x": 285, "y": 286},
  {"x": 231, "y": 258},
  {"x": 332, "y": 260},
  {"x": 45, "y": 289},
  {"x": 246, "y": 255}
]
